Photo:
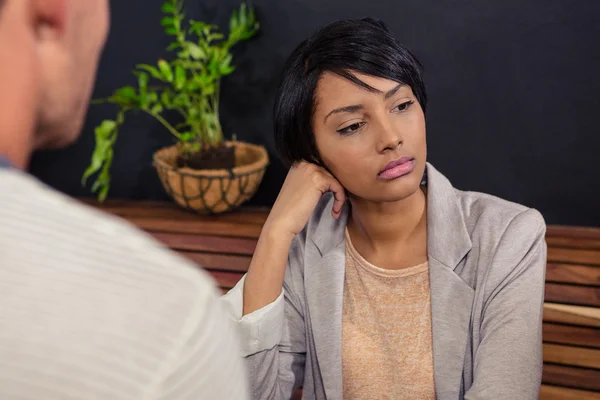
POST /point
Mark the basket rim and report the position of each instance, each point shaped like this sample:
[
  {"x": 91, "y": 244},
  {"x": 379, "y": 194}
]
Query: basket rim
[{"x": 242, "y": 170}]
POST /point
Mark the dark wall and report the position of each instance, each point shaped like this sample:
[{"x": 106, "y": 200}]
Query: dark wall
[{"x": 514, "y": 94}]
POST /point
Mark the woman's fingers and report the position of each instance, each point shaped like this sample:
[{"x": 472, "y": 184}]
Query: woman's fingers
[{"x": 339, "y": 194}]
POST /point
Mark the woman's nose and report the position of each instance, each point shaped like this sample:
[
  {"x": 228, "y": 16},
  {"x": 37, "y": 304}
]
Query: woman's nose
[{"x": 389, "y": 137}]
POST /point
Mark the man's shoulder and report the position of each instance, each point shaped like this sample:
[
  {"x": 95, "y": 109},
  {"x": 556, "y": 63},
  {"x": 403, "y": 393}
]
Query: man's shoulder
[{"x": 45, "y": 217}]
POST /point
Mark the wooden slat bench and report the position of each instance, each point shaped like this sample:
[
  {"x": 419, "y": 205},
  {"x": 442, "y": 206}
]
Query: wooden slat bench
[
  {"x": 572, "y": 314},
  {"x": 224, "y": 245}
]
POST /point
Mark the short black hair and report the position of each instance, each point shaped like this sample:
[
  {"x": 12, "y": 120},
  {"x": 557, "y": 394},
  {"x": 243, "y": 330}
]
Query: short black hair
[{"x": 362, "y": 45}]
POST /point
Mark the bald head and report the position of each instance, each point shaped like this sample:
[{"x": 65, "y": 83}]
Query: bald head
[{"x": 49, "y": 51}]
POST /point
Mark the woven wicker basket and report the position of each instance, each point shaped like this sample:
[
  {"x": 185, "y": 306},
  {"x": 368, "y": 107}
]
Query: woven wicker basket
[{"x": 213, "y": 191}]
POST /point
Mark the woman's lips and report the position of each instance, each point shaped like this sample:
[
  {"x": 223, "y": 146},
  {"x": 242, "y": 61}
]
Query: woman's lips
[{"x": 397, "y": 168}]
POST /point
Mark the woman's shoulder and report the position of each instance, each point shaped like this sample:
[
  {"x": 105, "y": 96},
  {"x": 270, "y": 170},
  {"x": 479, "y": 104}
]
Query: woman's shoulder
[
  {"x": 508, "y": 240},
  {"x": 494, "y": 212},
  {"x": 503, "y": 234}
]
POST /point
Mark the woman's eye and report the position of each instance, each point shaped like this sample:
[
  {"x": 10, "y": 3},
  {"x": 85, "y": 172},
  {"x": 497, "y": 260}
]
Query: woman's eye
[
  {"x": 351, "y": 128},
  {"x": 404, "y": 106}
]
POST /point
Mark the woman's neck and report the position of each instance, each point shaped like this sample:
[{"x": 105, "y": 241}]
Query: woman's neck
[{"x": 388, "y": 228}]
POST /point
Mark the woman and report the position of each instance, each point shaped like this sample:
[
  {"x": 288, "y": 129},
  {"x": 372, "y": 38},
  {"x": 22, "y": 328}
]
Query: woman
[{"x": 369, "y": 282}]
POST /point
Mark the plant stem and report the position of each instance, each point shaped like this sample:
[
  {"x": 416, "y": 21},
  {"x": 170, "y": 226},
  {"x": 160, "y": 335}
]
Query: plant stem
[
  {"x": 165, "y": 124},
  {"x": 99, "y": 101},
  {"x": 219, "y": 138}
]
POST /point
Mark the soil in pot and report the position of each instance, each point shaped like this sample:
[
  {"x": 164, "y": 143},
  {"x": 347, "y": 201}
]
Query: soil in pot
[{"x": 212, "y": 158}]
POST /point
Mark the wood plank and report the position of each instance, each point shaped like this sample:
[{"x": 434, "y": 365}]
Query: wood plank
[
  {"x": 219, "y": 262},
  {"x": 226, "y": 280},
  {"x": 573, "y": 335},
  {"x": 577, "y": 232},
  {"x": 573, "y": 256},
  {"x": 205, "y": 243},
  {"x": 569, "y": 355},
  {"x": 573, "y": 243},
  {"x": 131, "y": 209},
  {"x": 567, "y": 273},
  {"x": 548, "y": 392},
  {"x": 216, "y": 228},
  {"x": 582, "y": 378},
  {"x": 571, "y": 294},
  {"x": 576, "y": 315}
]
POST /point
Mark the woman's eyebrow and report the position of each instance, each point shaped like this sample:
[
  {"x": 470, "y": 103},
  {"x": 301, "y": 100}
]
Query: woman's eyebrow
[
  {"x": 357, "y": 107},
  {"x": 346, "y": 109},
  {"x": 393, "y": 91}
]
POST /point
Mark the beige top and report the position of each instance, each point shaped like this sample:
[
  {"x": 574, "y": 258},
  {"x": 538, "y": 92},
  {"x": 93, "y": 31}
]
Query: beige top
[{"x": 386, "y": 331}]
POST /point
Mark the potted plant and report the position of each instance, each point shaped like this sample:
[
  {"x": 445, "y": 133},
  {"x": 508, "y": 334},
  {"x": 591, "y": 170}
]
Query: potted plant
[{"x": 201, "y": 171}]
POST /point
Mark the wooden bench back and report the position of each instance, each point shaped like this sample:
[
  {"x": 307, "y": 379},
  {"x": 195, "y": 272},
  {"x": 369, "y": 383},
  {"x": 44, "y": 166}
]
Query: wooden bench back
[
  {"x": 572, "y": 314},
  {"x": 224, "y": 245}
]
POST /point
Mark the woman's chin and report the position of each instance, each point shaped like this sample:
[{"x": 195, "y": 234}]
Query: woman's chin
[{"x": 390, "y": 194}]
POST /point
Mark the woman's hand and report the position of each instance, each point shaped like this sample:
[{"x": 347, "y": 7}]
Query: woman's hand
[{"x": 299, "y": 195}]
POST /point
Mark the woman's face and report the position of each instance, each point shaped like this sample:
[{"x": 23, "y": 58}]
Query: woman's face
[{"x": 359, "y": 133}]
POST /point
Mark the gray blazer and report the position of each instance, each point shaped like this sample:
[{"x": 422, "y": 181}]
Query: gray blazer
[{"x": 487, "y": 262}]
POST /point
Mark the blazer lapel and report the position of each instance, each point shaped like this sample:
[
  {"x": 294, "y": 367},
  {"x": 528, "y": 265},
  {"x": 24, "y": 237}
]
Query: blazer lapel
[
  {"x": 451, "y": 298},
  {"x": 324, "y": 288}
]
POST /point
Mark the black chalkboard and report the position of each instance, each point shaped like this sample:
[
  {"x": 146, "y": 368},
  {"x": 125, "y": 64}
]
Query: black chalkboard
[{"x": 514, "y": 91}]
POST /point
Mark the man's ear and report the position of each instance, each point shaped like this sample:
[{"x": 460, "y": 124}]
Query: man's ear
[{"x": 50, "y": 16}]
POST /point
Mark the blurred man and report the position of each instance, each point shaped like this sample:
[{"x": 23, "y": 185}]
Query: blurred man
[{"x": 90, "y": 308}]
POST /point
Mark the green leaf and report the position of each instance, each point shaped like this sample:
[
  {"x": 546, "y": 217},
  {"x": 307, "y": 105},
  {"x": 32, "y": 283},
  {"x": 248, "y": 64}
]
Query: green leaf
[
  {"x": 186, "y": 136},
  {"x": 143, "y": 79},
  {"x": 167, "y": 22},
  {"x": 171, "y": 30},
  {"x": 125, "y": 97},
  {"x": 103, "y": 182},
  {"x": 106, "y": 128},
  {"x": 207, "y": 29},
  {"x": 233, "y": 21},
  {"x": 192, "y": 86},
  {"x": 103, "y": 143},
  {"x": 168, "y": 8},
  {"x": 144, "y": 101},
  {"x": 196, "y": 51},
  {"x": 126, "y": 93},
  {"x": 209, "y": 91},
  {"x": 147, "y": 99},
  {"x": 227, "y": 70},
  {"x": 213, "y": 67},
  {"x": 150, "y": 69},
  {"x": 182, "y": 100},
  {"x": 242, "y": 14},
  {"x": 193, "y": 111},
  {"x": 225, "y": 65},
  {"x": 104, "y": 191},
  {"x": 179, "y": 77},
  {"x": 173, "y": 46},
  {"x": 165, "y": 99},
  {"x": 157, "y": 109},
  {"x": 197, "y": 27},
  {"x": 165, "y": 70}
]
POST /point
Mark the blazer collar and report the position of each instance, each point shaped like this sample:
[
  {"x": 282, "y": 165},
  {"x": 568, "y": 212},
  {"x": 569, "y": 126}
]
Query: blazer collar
[
  {"x": 448, "y": 239},
  {"x": 451, "y": 298}
]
